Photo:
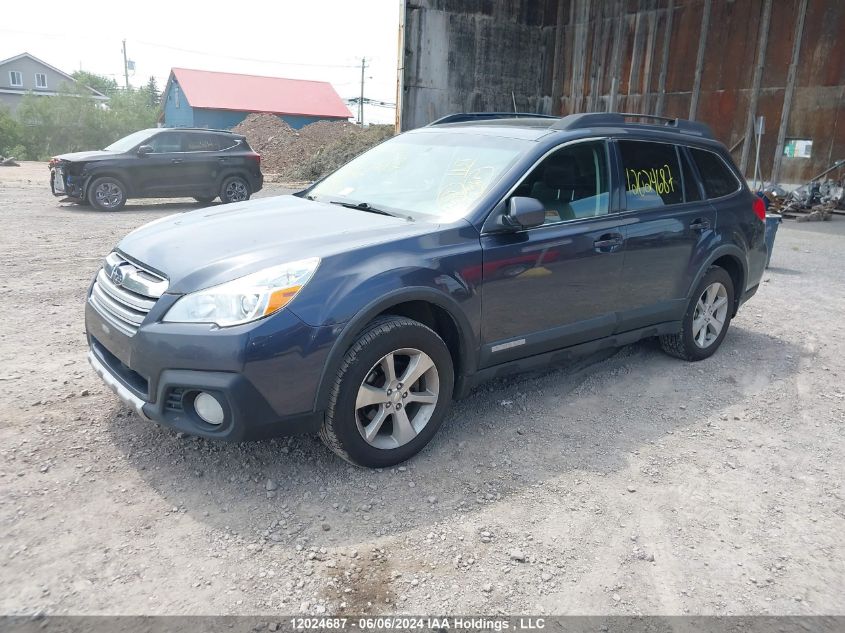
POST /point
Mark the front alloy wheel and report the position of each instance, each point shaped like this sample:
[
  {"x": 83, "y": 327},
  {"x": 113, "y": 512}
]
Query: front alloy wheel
[
  {"x": 397, "y": 398},
  {"x": 390, "y": 394},
  {"x": 107, "y": 194}
]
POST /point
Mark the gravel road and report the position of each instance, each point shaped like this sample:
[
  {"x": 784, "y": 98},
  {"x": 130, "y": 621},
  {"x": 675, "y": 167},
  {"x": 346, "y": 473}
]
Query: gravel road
[{"x": 631, "y": 484}]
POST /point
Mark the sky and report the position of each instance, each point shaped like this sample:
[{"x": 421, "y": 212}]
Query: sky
[{"x": 300, "y": 39}]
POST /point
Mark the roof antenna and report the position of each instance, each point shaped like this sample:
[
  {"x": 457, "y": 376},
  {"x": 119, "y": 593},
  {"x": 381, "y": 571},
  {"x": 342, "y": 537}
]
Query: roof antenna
[{"x": 514, "y": 102}]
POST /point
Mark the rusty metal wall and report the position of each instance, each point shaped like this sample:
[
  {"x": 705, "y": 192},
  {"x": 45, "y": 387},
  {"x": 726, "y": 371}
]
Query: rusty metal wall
[{"x": 718, "y": 61}]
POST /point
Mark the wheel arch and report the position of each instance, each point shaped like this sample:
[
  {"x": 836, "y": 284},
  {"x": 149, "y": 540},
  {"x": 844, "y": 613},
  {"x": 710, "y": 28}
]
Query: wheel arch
[
  {"x": 732, "y": 259},
  {"x": 234, "y": 171},
  {"x": 431, "y": 308},
  {"x": 109, "y": 173}
]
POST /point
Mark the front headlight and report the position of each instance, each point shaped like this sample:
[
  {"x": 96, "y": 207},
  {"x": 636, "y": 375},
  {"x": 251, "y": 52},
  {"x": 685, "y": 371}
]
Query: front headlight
[{"x": 246, "y": 299}]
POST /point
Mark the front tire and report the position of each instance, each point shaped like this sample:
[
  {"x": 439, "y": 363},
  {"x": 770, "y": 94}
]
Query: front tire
[
  {"x": 234, "y": 189},
  {"x": 107, "y": 194},
  {"x": 390, "y": 395},
  {"x": 706, "y": 320}
]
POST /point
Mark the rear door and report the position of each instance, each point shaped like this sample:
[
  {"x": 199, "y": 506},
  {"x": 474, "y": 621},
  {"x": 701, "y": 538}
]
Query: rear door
[
  {"x": 671, "y": 225},
  {"x": 555, "y": 285},
  {"x": 202, "y": 162}
]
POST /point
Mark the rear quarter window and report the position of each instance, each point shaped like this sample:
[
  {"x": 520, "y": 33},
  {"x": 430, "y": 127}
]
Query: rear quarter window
[
  {"x": 716, "y": 176},
  {"x": 228, "y": 142}
]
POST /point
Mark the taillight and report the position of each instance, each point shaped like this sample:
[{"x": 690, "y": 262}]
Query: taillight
[{"x": 759, "y": 208}]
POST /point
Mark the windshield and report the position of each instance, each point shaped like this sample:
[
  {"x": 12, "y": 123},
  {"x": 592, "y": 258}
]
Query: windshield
[
  {"x": 430, "y": 173},
  {"x": 128, "y": 142}
]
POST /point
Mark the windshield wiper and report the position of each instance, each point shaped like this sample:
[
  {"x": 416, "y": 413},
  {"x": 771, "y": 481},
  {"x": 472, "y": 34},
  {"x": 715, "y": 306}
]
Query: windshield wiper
[{"x": 365, "y": 206}]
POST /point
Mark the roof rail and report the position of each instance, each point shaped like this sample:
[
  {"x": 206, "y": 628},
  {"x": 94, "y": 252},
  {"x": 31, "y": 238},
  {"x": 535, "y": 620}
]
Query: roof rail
[
  {"x": 608, "y": 119},
  {"x": 206, "y": 129},
  {"x": 460, "y": 117}
]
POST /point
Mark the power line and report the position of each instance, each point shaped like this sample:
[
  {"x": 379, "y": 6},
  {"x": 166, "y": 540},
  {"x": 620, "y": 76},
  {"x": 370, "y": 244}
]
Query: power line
[{"x": 244, "y": 59}]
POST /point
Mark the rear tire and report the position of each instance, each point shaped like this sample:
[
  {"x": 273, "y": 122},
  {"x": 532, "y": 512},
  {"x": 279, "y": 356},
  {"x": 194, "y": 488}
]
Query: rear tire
[
  {"x": 234, "y": 189},
  {"x": 706, "y": 320},
  {"x": 373, "y": 418},
  {"x": 107, "y": 194},
  {"x": 205, "y": 199}
]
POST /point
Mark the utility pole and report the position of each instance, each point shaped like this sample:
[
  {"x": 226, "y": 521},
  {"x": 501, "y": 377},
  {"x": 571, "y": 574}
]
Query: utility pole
[
  {"x": 125, "y": 66},
  {"x": 361, "y": 100}
]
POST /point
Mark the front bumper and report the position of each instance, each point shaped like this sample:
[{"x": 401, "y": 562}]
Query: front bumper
[
  {"x": 265, "y": 375},
  {"x": 115, "y": 385},
  {"x": 64, "y": 185}
]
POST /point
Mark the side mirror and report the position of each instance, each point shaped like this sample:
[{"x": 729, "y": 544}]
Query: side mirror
[
  {"x": 524, "y": 213},
  {"x": 145, "y": 149}
]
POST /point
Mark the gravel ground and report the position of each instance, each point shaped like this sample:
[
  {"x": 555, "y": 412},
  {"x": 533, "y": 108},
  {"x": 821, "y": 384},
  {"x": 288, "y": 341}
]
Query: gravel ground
[{"x": 632, "y": 484}]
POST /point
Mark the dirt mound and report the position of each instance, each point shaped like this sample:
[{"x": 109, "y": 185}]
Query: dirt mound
[
  {"x": 310, "y": 152},
  {"x": 342, "y": 149}
]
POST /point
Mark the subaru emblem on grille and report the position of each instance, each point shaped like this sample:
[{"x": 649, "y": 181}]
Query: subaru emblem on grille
[{"x": 117, "y": 275}]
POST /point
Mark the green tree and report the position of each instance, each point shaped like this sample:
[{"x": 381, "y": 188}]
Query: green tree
[
  {"x": 100, "y": 83},
  {"x": 72, "y": 121},
  {"x": 153, "y": 93},
  {"x": 11, "y": 134}
]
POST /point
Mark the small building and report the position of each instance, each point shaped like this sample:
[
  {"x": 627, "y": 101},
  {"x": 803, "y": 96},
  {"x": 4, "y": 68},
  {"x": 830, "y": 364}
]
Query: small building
[
  {"x": 26, "y": 74},
  {"x": 202, "y": 98}
]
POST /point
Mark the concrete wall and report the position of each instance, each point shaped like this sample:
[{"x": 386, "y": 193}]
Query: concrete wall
[{"x": 719, "y": 61}]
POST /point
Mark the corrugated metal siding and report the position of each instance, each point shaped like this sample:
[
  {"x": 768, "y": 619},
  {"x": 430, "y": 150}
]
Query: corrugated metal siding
[{"x": 563, "y": 56}]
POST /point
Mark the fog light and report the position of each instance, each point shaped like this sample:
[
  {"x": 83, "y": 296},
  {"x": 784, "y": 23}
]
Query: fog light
[{"x": 208, "y": 408}]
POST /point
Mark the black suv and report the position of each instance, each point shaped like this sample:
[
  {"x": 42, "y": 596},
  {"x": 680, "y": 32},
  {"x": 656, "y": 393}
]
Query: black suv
[
  {"x": 160, "y": 163},
  {"x": 448, "y": 255}
]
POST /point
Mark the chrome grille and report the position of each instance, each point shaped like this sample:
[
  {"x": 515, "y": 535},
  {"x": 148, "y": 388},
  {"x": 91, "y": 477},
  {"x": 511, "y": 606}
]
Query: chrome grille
[{"x": 124, "y": 293}]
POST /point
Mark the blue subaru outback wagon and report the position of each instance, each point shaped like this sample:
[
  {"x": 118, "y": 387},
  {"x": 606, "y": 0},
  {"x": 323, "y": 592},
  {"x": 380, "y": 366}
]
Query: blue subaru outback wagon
[{"x": 479, "y": 245}]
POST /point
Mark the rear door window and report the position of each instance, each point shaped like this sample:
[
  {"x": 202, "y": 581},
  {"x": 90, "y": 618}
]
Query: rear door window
[
  {"x": 718, "y": 179},
  {"x": 201, "y": 143},
  {"x": 652, "y": 174}
]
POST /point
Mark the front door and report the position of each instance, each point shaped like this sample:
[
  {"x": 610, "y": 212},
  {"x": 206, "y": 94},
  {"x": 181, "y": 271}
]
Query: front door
[
  {"x": 555, "y": 285},
  {"x": 163, "y": 171}
]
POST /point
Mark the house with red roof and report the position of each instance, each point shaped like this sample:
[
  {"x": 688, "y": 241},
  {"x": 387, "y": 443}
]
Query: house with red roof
[{"x": 202, "y": 98}]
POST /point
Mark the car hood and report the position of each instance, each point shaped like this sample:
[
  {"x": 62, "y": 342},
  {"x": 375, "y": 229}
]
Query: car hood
[
  {"x": 75, "y": 157},
  {"x": 202, "y": 248}
]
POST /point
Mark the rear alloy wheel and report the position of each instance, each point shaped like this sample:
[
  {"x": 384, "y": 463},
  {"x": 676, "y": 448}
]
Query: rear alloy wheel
[
  {"x": 390, "y": 395},
  {"x": 706, "y": 320},
  {"x": 107, "y": 194},
  {"x": 234, "y": 189}
]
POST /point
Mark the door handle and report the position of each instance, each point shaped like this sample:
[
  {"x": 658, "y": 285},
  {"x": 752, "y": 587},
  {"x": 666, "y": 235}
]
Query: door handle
[
  {"x": 608, "y": 241},
  {"x": 700, "y": 224},
  {"x": 176, "y": 161}
]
